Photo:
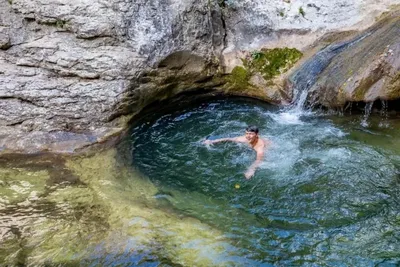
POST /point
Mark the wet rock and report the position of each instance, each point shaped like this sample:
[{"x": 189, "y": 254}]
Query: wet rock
[
  {"x": 366, "y": 71},
  {"x": 12, "y": 141},
  {"x": 270, "y": 92}
]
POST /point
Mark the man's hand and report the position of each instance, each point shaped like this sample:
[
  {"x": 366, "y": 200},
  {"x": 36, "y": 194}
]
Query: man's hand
[
  {"x": 249, "y": 173},
  {"x": 207, "y": 142}
]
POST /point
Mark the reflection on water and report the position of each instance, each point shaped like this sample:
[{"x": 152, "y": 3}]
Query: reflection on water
[{"x": 327, "y": 194}]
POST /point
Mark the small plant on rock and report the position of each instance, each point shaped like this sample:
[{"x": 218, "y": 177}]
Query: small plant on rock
[
  {"x": 302, "y": 12},
  {"x": 60, "y": 24}
]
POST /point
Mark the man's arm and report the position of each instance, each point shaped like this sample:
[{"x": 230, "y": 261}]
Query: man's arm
[
  {"x": 252, "y": 169},
  {"x": 234, "y": 139}
]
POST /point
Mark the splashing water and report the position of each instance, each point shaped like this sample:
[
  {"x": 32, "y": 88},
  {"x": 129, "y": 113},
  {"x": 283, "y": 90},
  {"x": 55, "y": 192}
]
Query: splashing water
[
  {"x": 326, "y": 194},
  {"x": 384, "y": 115},
  {"x": 305, "y": 77},
  {"x": 367, "y": 113},
  {"x": 319, "y": 197}
]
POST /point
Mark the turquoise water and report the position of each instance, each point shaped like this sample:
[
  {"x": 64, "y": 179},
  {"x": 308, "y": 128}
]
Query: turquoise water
[{"x": 327, "y": 193}]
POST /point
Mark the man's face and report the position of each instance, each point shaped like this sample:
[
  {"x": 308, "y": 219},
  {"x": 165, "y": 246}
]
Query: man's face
[{"x": 250, "y": 136}]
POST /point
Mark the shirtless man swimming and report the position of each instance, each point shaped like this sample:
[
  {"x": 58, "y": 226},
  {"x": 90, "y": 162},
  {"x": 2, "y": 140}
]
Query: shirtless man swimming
[{"x": 251, "y": 137}]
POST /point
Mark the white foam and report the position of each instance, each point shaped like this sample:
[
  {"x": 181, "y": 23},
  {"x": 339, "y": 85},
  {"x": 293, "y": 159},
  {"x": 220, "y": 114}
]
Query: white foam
[
  {"x": 334, "y": 131},
  {"x": 287, "y": 118}
]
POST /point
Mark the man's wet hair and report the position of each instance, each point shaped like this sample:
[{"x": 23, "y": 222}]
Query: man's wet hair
[{"x": 252, "y": 128}]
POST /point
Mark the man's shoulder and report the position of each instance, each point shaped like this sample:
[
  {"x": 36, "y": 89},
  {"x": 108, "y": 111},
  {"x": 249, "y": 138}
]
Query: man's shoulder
[{"x": 264, "y": 142}]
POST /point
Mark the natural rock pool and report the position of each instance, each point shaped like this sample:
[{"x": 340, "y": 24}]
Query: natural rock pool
[{"x": 327, "y": 194}]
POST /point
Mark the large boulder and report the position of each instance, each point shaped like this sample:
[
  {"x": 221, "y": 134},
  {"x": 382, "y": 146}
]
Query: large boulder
[{"x": 367, "y": 70}]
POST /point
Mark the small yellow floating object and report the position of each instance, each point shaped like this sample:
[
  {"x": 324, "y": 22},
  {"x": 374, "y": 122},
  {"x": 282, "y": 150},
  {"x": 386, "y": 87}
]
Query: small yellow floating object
[{"x": 237, "y": 186}]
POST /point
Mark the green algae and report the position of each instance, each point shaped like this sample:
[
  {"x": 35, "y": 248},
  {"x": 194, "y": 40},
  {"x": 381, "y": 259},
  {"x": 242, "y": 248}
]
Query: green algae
[
  {"x": 272, "y": 62},
  {"x": 54, "y": 227},
  {"x": 18, "y": 184}
]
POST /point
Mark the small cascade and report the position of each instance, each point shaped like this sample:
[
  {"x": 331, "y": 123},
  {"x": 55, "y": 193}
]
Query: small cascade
[
  {"x": 304, "y": 78},
  {"x": 367, "y": 113},
  {"x": 299, "y": 106},
  {"x": 384, "y": 123}
]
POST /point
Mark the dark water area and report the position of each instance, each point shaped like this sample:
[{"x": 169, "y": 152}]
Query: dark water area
[{"x": 327, "y": 193}]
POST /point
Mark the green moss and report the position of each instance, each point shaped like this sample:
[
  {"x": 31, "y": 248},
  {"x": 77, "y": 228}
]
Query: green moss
[
  {"x": 239, "y": 78},
  {"x": 272, "y": 62}
]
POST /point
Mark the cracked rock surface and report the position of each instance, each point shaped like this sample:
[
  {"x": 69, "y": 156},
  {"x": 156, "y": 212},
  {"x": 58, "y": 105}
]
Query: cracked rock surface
[
  {"x": 77, "y": 66},
  {"x": 68, "y": 65}
]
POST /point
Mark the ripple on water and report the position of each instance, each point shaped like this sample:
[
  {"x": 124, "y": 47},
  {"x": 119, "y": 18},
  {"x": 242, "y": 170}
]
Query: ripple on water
[
  {"x": 318, "y": 197},
  {"x": 327, "y": 194}
]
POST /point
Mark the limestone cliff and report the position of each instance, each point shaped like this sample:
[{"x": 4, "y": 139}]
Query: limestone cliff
[{"x": 71, "y": 71}]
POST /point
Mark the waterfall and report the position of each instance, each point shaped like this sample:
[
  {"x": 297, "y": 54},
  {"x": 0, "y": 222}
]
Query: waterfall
[
  {"x": 384, "y": 115},
  {"x": 305, "y": 77},
  {"x": 367, "y": 113}
]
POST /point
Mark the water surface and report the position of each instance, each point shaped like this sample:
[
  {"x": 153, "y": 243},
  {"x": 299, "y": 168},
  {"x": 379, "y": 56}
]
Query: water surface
[{"x": 327, "y": 192}]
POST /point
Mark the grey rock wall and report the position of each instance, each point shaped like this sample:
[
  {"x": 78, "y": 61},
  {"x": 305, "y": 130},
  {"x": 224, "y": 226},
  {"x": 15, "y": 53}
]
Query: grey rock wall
[
  {"x": 81, "y": 65},
  {"x": 67, "y": 65}
]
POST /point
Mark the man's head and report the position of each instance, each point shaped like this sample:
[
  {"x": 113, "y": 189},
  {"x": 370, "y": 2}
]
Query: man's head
[{"x": 251, "y": 133}]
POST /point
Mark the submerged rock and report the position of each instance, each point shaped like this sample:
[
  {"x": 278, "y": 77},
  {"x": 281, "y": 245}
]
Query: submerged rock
[
  {"x": 17, "y": 186},
  {"x": 111, "y": 213}
]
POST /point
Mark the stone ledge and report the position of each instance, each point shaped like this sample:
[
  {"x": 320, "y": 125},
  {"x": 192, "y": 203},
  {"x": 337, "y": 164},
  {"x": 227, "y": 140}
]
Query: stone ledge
[{"x": 12, "y": 141}]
